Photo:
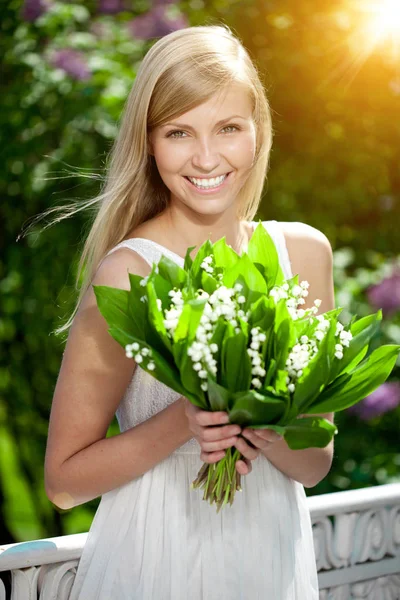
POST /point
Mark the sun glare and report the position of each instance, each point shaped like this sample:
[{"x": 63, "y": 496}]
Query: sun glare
[{"x": 382, "y": 23}]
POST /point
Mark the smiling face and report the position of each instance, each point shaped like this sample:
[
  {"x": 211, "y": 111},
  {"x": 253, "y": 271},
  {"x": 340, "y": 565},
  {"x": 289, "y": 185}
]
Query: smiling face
[{"x": 205, "y": 155}]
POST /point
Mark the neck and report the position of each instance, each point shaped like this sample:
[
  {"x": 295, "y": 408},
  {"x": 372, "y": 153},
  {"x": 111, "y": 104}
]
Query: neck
[{"x": 181, "y": 233}]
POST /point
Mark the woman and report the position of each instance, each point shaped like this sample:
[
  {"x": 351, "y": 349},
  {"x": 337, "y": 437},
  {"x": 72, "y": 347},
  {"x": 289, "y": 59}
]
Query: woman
[{"x": 189, "y": 164}]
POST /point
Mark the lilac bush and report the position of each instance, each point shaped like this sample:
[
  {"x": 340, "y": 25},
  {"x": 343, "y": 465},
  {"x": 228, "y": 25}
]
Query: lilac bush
[
  {"x": 156, "y": 23},
  {"x": 33, "y": 9},
  {"x": 72, "y": 62},
  {"x": 381, "y": 401},
  {"x": 386, "y": 294}
]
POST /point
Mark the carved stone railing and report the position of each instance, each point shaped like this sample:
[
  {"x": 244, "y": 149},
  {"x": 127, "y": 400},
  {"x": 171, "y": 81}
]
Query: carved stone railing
[{"x": 356, "y": 538}]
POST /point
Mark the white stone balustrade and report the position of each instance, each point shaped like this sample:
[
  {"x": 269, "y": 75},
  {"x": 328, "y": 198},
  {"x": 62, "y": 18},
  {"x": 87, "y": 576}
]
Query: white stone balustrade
[{"x": 356, "y": 538}]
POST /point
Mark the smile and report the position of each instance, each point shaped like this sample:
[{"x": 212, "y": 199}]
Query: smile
[{"x": 209, "y": 183}]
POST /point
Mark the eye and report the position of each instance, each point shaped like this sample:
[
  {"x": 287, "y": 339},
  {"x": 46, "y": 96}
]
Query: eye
[
  {"x": 175, "y": 132},
  {"x": 172, "y": 134},
  {"x": 235, "y": 127}
]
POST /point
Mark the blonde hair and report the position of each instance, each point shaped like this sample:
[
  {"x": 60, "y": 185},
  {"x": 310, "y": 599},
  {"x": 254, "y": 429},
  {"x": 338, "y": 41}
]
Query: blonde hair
[{"x": 180, "y": 71}]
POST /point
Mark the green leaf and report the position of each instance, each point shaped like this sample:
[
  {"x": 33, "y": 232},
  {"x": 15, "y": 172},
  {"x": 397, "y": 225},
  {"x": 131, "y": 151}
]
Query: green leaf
[
  {"x": 156, "y": 319},
  {"x": 191, "y": 380},
  {"x": 224, "y": 255},
  {"x": 366, "y": 378},
  {"x": 189, "y": 320},
  {"x": 252, "y": 408},
  {"x": 235, "y": 361},
  {"x": 284, "y": 333},
  {"x": 113, "y": 305},
  {"x": 262, "y": 250},
  {"x": 251, "y": 275},
  {"x": 262, "y": 313},
  {"x": 172, "y": 272},
  {"x": 137, "y": 309},
  {"x": 363, "y": 331},
  {"x": 309, "y": 432},
  {"x": 188, "y": 259},
  {"x": 316, "y": 374},
  {"x": 208, "y": 283},
  {"x": 270, "y": 372},
  {"x": 218, "y": 396},
  {"x": 196, "y": 271}
]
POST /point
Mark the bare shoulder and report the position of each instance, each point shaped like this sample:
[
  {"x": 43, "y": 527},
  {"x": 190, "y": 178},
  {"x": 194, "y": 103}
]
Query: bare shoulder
[
  {"x": 114, "y": 269},
  {"x": 311, "y": 258},
  {"x": 300, "y": 235}
]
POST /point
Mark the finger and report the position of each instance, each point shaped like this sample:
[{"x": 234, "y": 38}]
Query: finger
[
  {"x": 265, "y": 434},
  {"x": 246, "y": 450},
  {"x": 243, "y": 467},
  {"x": 212, "y": 434},
  {"x": 212, "y": 457},
  {"x": 218, "y": 445},
  {"x": 256, "y": 440},
  {"x": 206, "y": 418}
]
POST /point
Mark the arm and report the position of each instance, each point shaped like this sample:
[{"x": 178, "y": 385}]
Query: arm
[
  {"x": 312, "y": 258},
  {"x": 81, "y": 463}
]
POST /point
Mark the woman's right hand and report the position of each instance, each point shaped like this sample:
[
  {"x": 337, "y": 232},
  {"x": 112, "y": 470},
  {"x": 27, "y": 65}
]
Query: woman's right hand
[{"x": 213, "y": 432}]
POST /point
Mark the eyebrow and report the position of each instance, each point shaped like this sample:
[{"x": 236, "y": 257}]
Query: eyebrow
[{"x": 216, "y": 124}]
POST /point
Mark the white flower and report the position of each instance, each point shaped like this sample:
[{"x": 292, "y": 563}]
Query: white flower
[
  {"x": 204, "y": 386},
  {"x": 213, "y": 348},
  {"x": 291, "y": 387},
  {"x": 144, "y": 281},
  {"x": 151, "y": 366},
  {"x": 203, "y": 374},
  {"x": 139, "y": 358},
  {"x": 256, "y": 382},
  {"x": 129, "y": 354}
]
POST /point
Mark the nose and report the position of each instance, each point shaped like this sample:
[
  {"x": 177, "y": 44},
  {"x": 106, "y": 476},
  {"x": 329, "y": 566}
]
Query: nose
[{"x": 205, "y": 156}]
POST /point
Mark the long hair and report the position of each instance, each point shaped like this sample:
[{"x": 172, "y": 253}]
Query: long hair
[{"x": 180, "y": 71}]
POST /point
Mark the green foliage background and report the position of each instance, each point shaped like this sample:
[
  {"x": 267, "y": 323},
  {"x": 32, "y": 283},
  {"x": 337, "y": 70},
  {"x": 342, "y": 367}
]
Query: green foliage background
[{"x": 333, "y": 165}]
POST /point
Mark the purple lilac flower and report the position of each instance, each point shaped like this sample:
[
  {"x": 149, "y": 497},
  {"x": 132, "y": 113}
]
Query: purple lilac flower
[
  {"x": 33, "y": 9},
  {"x": 162, "y": 2},
  {"x": 385, "y": 398},
  {"x": 73, "y": 63},
  {"x": 386, "y": 294},
  {"x": 111, "y": 7},
  {"x": 155, "y": 23}
]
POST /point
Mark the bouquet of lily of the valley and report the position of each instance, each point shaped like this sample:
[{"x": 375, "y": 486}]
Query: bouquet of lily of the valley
[{"x": 225, "y": 331}]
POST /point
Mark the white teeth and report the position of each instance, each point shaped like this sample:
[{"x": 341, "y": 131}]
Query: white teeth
[{"x": 208, "y": 183}]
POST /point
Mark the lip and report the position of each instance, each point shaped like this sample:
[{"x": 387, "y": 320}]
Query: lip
[{"x": 213, "y": 190}]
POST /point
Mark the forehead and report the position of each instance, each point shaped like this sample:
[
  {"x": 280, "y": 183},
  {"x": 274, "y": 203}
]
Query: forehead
[{"x": 233, "y": 100}]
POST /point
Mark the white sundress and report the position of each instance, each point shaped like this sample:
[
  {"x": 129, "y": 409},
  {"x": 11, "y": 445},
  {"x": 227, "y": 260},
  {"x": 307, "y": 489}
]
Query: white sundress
[{"x": 155, "y": 538}]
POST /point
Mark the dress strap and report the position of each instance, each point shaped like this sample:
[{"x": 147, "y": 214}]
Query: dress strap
[{"x": 150, "y": 251}]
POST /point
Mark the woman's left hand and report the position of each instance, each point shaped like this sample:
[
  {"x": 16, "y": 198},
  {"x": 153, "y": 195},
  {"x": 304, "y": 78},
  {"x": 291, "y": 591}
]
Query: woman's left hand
[{"x": 255, "y": 441}]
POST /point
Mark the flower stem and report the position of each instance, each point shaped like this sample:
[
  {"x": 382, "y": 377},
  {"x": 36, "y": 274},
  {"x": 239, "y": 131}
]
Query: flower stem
[{"x": 220, "y": 480}]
